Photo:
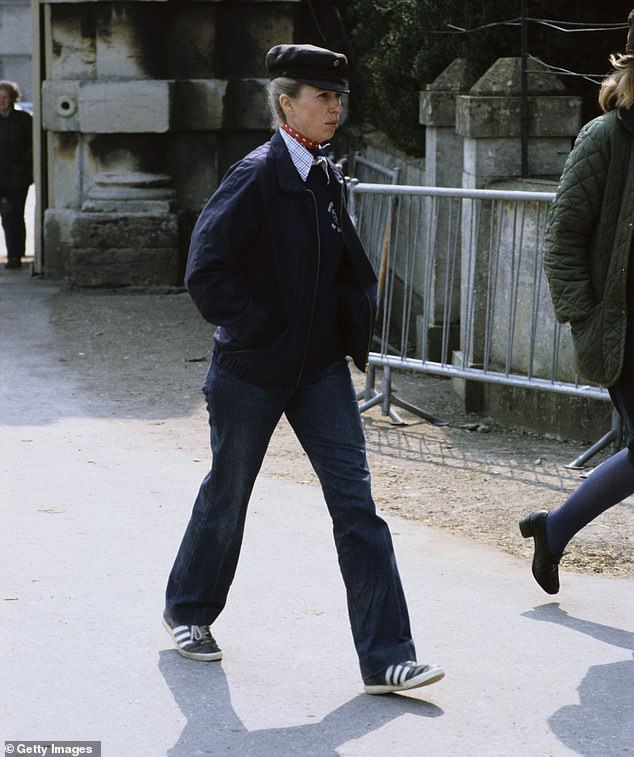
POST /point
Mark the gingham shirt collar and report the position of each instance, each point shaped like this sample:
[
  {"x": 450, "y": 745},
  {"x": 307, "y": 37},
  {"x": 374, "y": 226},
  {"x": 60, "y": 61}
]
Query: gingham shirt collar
[{"x": 302, "y": 158}]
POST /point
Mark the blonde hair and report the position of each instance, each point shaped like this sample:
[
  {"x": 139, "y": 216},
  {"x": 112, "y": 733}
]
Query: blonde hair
[
  {"x": 277, "y": 87},
  {"x": 12, "y": 88},
  {"x": 617, "y": 89}
]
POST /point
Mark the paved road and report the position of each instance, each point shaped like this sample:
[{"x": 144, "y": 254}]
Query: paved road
[{"x": 91, "y": 512}]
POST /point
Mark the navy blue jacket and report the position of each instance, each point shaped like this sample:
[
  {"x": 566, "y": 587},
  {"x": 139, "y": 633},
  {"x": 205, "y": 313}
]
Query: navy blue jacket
[{"x": 253, "y": 269}]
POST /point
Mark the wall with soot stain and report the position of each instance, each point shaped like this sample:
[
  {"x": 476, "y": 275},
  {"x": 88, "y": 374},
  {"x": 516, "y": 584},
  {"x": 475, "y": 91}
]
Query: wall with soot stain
[{"x": 172, "y": 88}]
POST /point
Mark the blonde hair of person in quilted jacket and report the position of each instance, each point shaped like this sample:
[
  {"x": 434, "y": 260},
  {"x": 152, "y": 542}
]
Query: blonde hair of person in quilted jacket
[{"x": 617, "y": 89}]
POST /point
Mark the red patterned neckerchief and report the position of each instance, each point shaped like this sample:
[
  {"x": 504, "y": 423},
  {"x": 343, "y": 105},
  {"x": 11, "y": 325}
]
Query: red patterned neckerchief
[{"x": 308, "y": 143}]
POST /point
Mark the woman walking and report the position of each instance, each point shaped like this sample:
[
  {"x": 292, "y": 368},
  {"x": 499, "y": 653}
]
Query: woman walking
[
  {"x": 275, "y": 262},
  {"x": 589, "y": 263}
]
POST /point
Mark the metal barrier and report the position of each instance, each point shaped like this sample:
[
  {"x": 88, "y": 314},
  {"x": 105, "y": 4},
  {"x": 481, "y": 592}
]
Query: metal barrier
[
  {"x": 462, "y": 292},
  {"x": 367, "y": 170}
]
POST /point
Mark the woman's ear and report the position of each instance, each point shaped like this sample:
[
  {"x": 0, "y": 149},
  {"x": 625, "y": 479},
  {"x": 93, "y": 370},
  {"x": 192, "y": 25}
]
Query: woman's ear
[{"x": 285, "y": 103}]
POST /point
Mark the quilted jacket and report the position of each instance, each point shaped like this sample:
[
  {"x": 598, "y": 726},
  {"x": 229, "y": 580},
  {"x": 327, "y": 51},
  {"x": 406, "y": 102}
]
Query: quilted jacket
[{"x": 587, "y": 244}]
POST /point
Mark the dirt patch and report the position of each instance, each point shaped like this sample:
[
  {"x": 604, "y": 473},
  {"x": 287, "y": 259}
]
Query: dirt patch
[{"x": 144, "y": 355}]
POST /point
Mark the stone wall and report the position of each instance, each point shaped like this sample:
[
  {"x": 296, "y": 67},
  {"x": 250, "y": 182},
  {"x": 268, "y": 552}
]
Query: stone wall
[{"x": 153, "y": 100}]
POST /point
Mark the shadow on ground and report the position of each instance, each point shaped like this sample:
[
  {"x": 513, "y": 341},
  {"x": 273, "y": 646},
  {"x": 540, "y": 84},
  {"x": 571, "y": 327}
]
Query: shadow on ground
[
  {"x": 603, "y": 721},
  {"x": 203, "y": 696}
]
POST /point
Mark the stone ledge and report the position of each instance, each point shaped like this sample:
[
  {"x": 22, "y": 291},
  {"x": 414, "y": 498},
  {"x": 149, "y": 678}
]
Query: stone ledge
[
  {"x": 493, "y": 116},
  {"x": 154, "y": 106}
]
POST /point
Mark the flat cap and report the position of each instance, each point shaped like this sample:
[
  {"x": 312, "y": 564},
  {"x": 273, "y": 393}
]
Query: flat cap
[{"x": 317, "y": 66}]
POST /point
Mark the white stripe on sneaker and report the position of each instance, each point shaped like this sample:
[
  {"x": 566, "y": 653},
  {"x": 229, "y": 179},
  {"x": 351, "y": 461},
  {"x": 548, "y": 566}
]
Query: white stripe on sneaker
[
  {"x": 182, "y": 635},
  {"x": 403, "y": 676},
  {"x": 395, "y": 674}
]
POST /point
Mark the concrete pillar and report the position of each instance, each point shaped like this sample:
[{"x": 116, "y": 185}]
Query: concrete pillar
[
  {"x": 443, "y": 168},
  {"x": 437, "y": 112},
  {"x": 140, "y": 90},
  {"x": 489, "y": 120}
]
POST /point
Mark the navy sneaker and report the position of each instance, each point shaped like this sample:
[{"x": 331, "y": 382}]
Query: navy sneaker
[
  {"x": 194, "y": 642},
  {"x": 401, "y": 677}
]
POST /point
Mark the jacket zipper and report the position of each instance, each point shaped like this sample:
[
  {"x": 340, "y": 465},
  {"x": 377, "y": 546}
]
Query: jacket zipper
[
  {"x": 312, "y": 310},
  {"x": 370, "y": 329}
]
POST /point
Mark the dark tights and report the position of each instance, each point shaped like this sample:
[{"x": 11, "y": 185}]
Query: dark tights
[
  {"x": 606, "y": 486},
  {"x": 613, "y": 480}
]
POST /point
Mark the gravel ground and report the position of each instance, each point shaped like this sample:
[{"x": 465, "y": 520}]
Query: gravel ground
[{"x": 144, "y": 355}]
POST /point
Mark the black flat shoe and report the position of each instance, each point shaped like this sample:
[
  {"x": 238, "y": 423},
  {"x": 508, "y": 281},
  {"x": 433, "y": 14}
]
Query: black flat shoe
[{"x": 545, "y": 566}]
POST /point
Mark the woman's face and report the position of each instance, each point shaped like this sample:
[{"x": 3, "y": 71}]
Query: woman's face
[
  {"x": 314, "y": 113},
  {"x": 6, "y": 101}
]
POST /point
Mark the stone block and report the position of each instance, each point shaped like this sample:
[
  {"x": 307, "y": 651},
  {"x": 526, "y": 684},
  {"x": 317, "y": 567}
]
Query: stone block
[
  {"x": 127, "y": 41},
  {"x": 486, "y": 160},
  {"x": 57, "y": 231},
  {"x": 443, "y": 157},
  {"x": 198, "y": 104},
  {"x": 116, "y": 231},
  {"x": 245, "y": 33},
  {"x": 131, "y": 192},
  {"x": 115, "y": 250},
  {"x": 571, "y": 418},
  {"x": 457, "y": 77},
  {"x": 437, "y": 108},
  {"x": 498, "y": 116},
  {"x": 190, "y": 46},
  {"x": 246, "y": 104},
  {"x": 199, "y": 149},
  {"x": 123, "y": 267},
  {"x": 71, "y": 49},
  {"x": 504, "y": 79},
  {"x": 65, "y": 175},
  {"x": 109, "y": 250},
  {"x": 125, "y": 106},
  {"x": 60, "y": 98},
  {"x": 437, "y": 104}
]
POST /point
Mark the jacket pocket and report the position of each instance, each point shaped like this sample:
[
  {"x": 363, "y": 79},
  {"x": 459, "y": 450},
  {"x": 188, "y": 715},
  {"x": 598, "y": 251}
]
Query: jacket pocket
[
  {"x": 588, "y": 345},
  {"x": 266, "y": 338},
  {"x": 356, "y": 315}
]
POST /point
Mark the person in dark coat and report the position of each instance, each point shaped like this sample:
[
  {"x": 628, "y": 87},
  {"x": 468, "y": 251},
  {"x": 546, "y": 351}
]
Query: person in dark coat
[
  {"x": 275, "y": 263},
  {"x": 16, "y": 170},
  {"x": 589, "y": 263}
]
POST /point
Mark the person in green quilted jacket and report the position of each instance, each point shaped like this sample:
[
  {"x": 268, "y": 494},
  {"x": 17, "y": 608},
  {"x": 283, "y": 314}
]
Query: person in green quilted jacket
[{"x": 590, "y": 269}]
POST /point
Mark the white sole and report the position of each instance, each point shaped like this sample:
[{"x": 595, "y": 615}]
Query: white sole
[
  {"x": 424, "y": 679},
  {"x": 201, "y": 656}
]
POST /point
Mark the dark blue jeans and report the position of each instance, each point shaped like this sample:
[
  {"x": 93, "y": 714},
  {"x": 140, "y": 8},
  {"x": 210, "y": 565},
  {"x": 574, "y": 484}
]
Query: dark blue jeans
[
  {"x": 324, "y": 414},
  {"x": 12, "y": 202}
]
